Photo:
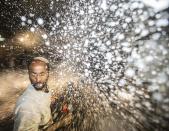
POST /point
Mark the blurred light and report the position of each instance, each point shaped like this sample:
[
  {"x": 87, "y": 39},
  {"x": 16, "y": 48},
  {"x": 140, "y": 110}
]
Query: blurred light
[
  {"x": 28, "y": 39},
  {"x": 1, "y": 38}
]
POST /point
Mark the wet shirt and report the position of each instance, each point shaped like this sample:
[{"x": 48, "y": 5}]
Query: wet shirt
[{"x": 32, "y": 110}]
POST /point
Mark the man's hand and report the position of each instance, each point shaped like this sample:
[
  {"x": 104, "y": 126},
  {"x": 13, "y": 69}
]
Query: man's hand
[{"x": 65, "y": 121}]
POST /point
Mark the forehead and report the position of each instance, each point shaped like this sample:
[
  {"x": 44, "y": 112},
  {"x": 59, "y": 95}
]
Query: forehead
[{"x": 37, "y": 65}]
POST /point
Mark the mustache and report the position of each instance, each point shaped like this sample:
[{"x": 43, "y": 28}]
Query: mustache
[{"x": 39, "y": 85}]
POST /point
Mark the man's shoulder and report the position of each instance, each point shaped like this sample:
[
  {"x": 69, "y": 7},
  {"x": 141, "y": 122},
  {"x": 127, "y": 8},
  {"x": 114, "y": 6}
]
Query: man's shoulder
[
  {"x": 28, "y": 91},
  {"x": 24, "y": 104},
  {"x": 25, "y": 98}
]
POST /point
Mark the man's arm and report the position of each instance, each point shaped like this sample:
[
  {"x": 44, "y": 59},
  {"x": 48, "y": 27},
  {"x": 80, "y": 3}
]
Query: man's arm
[{"x": 26, "y": 120}]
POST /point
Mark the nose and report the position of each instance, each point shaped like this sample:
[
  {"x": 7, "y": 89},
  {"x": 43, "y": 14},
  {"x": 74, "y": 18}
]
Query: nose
[{"x": 38, "y": 79}]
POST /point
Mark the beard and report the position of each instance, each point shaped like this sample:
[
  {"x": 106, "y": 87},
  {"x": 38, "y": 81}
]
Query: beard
[{"x": 39, "y": 86}]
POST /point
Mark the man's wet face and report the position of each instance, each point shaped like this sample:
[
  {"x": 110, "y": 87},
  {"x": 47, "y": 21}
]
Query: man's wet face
[{"x": 38, "y": 74}]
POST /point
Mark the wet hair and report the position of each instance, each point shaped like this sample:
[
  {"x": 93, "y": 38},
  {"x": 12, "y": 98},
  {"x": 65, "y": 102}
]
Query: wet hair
[{"x": 38, "y": 59}]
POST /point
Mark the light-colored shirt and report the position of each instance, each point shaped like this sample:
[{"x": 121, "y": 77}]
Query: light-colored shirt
[{"x": 32, "y": 110}]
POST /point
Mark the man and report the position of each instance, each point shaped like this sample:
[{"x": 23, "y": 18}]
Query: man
[{"x": 32, "y": 111}]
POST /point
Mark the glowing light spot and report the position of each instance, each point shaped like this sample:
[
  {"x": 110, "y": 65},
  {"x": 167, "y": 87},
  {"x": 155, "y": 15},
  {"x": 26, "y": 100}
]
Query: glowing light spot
[{"x": 40, "y": 21}]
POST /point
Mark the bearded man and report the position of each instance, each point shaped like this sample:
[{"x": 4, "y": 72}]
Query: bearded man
[{"x": 32, "y": 111}]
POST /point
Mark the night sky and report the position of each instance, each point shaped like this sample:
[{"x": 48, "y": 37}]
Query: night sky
[{"x": 12, "y": 10}]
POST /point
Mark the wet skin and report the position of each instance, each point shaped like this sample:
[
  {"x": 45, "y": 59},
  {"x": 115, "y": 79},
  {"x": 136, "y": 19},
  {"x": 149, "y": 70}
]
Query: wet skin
[{"x": 38, "y": 74}]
